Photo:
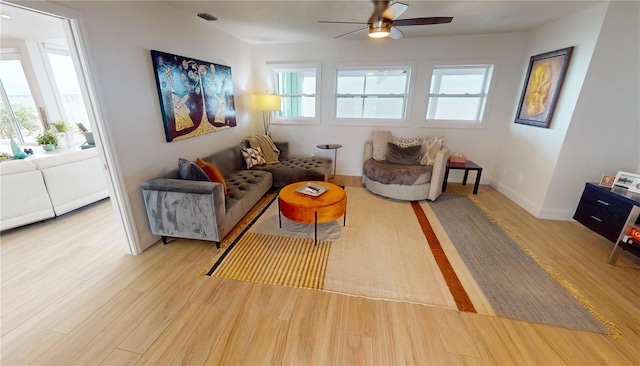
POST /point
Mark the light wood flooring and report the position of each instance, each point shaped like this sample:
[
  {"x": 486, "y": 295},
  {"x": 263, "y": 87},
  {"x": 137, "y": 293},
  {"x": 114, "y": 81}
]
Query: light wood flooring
[{"x": 71, "y": 296}]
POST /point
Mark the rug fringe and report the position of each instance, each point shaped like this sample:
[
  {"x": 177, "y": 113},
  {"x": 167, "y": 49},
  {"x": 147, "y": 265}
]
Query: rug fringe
[{"x": 614, "y": 331}]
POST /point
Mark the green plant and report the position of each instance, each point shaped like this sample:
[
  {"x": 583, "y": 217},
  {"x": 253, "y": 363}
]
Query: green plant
[
  {"x": 60, "y": 126},
  {"x": 27, "y": 119},
  {"x": 47, "y": 138}
]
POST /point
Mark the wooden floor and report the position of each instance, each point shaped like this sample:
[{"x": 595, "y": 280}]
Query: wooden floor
[{"x": 70, "y": 296}]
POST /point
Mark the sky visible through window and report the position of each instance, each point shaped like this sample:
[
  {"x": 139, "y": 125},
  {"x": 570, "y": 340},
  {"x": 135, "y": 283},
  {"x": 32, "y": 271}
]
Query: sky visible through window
[
  {"x": 458, "y": 93},
  {"x": 15, "y": 83},
  {"x": 371, "y": 93}
]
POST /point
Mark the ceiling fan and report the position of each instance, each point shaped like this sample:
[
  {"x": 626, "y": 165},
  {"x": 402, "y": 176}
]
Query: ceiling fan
[{"x": 383, "y": 21}]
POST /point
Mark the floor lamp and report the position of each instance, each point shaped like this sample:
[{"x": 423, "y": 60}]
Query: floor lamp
[{"x": 267, "y": 103}]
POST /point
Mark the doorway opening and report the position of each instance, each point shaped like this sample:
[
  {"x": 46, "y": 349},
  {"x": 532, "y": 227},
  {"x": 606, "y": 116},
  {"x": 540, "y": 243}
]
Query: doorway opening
[{"x": 45, "y": 80}]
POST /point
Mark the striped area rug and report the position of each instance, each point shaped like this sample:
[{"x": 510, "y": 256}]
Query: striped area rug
[
  {"x": 380, "y": 254},
  {"x": 447, "y": 253},
  {"x": 276, "y": 260}
]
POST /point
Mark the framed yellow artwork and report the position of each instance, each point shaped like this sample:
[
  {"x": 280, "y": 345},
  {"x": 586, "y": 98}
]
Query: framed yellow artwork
[{"x": 542, "y": 86}]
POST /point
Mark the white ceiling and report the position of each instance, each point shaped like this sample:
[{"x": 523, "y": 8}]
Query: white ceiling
[
  {"x": 295, "y": 21},
  {"x": 268, "y": 21},
  {"x": 25, "y": 24}
]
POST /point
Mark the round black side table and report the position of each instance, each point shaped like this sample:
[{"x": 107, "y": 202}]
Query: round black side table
[{"x": 335, "y": 148}]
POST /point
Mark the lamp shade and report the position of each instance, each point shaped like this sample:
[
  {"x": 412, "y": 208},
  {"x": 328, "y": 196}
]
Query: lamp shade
[{"x": 266, "y": 102}]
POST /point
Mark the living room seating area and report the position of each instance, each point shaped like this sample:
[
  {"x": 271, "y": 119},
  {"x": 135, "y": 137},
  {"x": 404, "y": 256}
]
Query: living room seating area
[{"x": 207, "y": 198}]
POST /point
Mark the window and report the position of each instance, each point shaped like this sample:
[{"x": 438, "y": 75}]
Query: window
[
  {"x": 371, "y": 93},
  {"x": 459, "y": 93},
  {"x": 18, "y": 113},
  {"x": 298, "y": 87},
  {"x": 68, "y": 87}
]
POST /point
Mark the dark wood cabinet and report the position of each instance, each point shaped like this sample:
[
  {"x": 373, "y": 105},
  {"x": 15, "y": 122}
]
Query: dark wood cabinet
[{"x": 605, "y": 210}]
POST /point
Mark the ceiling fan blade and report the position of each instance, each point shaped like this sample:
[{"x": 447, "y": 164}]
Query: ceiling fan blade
[
  {"x": 352, "y": 32},
  {"x": 395, "y": 10},
  {"x": 395, "y": 33},
  {"x": 422, "y": 21},
  {"x": 332, "y": 22}
]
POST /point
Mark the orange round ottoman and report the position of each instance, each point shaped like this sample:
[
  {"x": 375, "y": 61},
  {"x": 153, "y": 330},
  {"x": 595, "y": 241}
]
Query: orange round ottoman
[{"x": 306, "y": 209}]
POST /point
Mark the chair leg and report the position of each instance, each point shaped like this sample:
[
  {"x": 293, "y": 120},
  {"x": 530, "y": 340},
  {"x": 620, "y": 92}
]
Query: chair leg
[
  {"x": 217, "y": 244},
  {"x": 164, "y": 240}
]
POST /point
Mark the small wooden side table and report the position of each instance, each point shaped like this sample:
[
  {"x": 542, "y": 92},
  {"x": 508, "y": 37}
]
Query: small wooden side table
[
  {"x": 467, "y": 166},
  {"x": 335, "y": 148}
]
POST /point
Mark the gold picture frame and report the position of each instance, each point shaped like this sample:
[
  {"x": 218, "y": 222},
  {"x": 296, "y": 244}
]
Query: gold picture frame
[
  {"x": 607, "y": 181},
  {"x": 542, "y": 86}
]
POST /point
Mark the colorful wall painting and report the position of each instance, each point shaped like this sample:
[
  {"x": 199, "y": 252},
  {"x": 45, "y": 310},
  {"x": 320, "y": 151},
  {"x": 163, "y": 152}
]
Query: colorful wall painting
[{"x": 196, "y": 97}]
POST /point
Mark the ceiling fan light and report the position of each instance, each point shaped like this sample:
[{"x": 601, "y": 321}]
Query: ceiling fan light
[
  {"x": 379, "y": 33},
  {"x": 379, "y": 29}
]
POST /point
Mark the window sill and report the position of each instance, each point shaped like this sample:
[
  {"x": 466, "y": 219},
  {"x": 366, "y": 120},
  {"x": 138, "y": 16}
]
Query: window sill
[
  {"x": 470, "y": 125},
  {"x": 296, "y": 121},
  {"x": 371, "y": 122}
]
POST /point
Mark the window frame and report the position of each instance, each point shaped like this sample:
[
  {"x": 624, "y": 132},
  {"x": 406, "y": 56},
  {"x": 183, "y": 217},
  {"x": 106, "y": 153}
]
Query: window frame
[
  {"x": 16, "y": 54},
  {"x": 47, "y": 48},
  {"x": 281, "y": 120},
  {"x": 486, "y": 95},
  {"x": 405, "y": 121}
]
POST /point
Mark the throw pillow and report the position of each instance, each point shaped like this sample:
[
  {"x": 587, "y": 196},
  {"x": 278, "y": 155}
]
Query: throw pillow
[
  {"x": 403, "y": 155},
  {"x": 188, "y": 170},
  {"x": 269, "y": 150},
  {"x": 253, "y": 156},
  {"x": 430, "y": 148},
  {"x": 212, "y": 172},
  {"x": 380, "y": 140},
  {"x": 406, "y": 142}
]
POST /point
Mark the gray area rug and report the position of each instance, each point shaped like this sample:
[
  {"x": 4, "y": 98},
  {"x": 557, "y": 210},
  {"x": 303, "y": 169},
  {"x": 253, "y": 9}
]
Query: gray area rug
[{"x": 513, "y": 283}]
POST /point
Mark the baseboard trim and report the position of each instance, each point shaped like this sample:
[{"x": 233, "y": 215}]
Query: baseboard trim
[
  {"x": 537, "y": 211},
  {"x": 517, "y": 198}
]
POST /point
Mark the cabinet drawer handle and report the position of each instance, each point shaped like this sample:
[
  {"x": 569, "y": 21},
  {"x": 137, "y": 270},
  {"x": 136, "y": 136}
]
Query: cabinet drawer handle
[
  {"x": 597, "y": 219},
  {"x": 604, "y": 202}
]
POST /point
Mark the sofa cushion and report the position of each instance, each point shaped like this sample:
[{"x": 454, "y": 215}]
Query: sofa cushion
[
  {"x": 406, "y": 142},
  {"x": 188, "y": 170},
  {"x": 227, "y": 160},
  {"x": 212, "y": 172},
  {"x": 403, "y": 155},
  {"x": 50, "y": 161},
  {"x": 430, "y": 148},
  {"x": 16, "y": 166},
  {"x": 283, "y": 146},
  {"x": 380, "y": 140},
  {"x": 269, "y": 150},
  {"x": 387, "y": 173},
  {"x": 253, "y": 156},
  {"x": 297, "y": 169}
]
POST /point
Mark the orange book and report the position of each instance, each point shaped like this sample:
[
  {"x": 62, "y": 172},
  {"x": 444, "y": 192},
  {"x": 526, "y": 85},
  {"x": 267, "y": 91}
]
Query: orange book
[{"x": 635, "y": 233}]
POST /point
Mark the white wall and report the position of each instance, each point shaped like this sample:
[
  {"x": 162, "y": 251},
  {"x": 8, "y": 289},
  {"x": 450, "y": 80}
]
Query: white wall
[
  {"x": 120, "y": 36},
  {"x": 532, "y": 152},
  {"x": 479, "y": 145},
  {"x": 605, "y": 126}
]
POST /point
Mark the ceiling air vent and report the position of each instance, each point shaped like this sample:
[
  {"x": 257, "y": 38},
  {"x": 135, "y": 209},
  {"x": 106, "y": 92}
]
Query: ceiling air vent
[{"x": 208, "y": 17}]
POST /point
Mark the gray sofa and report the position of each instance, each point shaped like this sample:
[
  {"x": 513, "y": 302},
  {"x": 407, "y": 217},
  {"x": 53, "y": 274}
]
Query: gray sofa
[{"x": 178, "y": 208}]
